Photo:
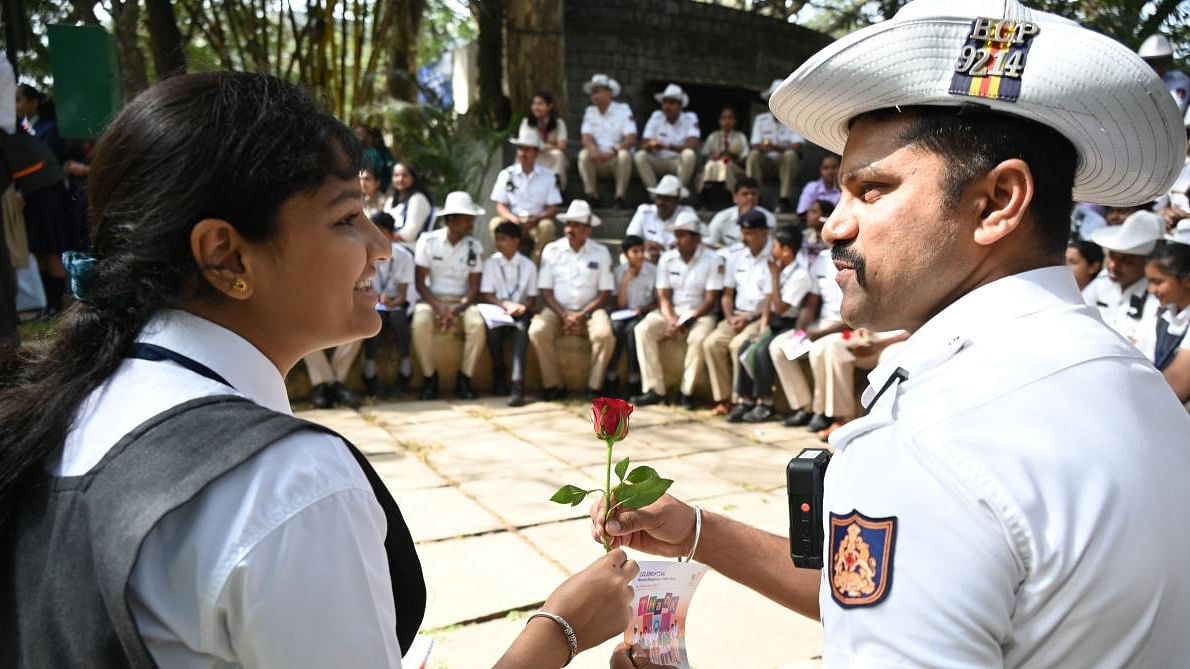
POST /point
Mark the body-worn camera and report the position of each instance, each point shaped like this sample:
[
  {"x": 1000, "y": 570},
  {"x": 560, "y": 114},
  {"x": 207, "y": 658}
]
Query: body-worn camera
[{"x": 806, "y": 478}]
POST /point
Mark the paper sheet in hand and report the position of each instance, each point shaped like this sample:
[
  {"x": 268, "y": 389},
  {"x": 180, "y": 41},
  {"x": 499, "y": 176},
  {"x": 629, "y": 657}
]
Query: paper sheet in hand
[
  {"x": 795, "y": 346},
  {"x": 623, "y": 314},
  {"x": 380, "y": 307},
  {"x": 494, "y": 315},
  {"x": 418, "y": 656},
  {"x": 663, "y": 593}
]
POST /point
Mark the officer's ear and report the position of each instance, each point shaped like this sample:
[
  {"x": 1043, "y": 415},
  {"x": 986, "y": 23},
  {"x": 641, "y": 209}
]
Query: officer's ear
[{"x": 1002, "y": 198}]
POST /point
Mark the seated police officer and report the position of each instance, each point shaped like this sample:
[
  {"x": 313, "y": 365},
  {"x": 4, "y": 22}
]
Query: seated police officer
[
  {"x": 996, "y": 505},
  {"x": 653, "y": 222},
  {"x": 449, "y": 266},
  {"x": 689, "y": 281},
  {"x": 574, "y": 283},
  {"x": 1121, "y": 292},
  {"x": 527, "y": 194}
]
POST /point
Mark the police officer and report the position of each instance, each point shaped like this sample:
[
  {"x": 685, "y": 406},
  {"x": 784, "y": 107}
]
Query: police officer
[
  {"x": 724, "y": 229},
  {"x": 527, "y": 194},
  {"x": 1002, "y": 503},
  {"x": 670, "y": 139},
  {"x": 776, "y": 149},
  {"x": 1121, "y": 293},
  {"x": 574, "y": 283},
  {"x": 608, "y": 134},
  {"x": 689, "y": 281},
  {"x": 653, "y": 222},
  {"x": 449, "y": 266},
  {"x": 745, "y": 280}
]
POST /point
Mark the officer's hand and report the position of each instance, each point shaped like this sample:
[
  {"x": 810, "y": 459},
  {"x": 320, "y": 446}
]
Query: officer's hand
[
  {"x": 596, "y": 601},
  {"x": 665, "y": 527},
  {"x": 737, "y": 322},
  {"x": 637, "y": 659}
]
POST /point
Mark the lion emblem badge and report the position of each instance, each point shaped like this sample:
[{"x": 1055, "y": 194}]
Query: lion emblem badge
[{"x": 861, "y": 557}]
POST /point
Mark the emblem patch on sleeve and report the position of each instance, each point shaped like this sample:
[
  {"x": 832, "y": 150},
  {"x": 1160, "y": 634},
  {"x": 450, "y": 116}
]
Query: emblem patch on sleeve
[
  {"x": 992, "y": 59},
  {"x": 861, "y": 558}
]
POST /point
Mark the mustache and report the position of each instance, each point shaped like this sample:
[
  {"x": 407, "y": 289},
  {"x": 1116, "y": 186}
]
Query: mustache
[{"x": 843, "y": 253}]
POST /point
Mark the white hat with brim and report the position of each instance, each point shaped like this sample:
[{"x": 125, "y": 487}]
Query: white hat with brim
[
  {"x": 460, "y": 202},
  {"x": 527, "y": 137},
  {"x": 768, "y": 92},
  {"x": 1136, "y": 236},
  {"x": 1090, "y": 88},
  {"x": 579, "y": 211},
  {"x": 669, "y": 186},
  {"x": 688, "y": 221},
  {"x": 1155, "y": 46},
  {"x": 673, "y": 92},
  {"x": 1180, "y": 234},
  {"x": 604, "y": 81}
]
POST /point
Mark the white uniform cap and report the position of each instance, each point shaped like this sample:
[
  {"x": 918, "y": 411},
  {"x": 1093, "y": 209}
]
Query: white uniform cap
[
  {"x": 460, "y": 202},
  {"x": 1001, "y": 55},
  {"x": 579, "y": 211},
  {"x": 669, "y": 186},
  {"x": 1155, "y": 46},
  {"x": 1136, "y": 236},
  {"x": 690, "y": 222},
  {"x": 673, "y": 92},
  {"x": 527, "y": 137},
  {"x": 604, "y": 81}
]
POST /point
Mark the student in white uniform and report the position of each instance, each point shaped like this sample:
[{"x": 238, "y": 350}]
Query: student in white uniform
[
  {"x": 689, "y": 282},
  {"x": 635, "y": 292},
  {"x": 776, "y": 151},
  {"x": 1121, "y": 292},
  {"x": 393, "y": 278},
  {"x": 449, "y": 266},
  {"x": 1168, "y": 272},
  {"x": 510, "y": 282},
  {"x": 984, "y": 512},
  {"x": 1085, "y": 260},
  {"x": 669, "y": 143},
  {"x": 149, "y": 452},
  {"x": 527, "y": 194},
  {"x": 724, "y": 228},
  {"x": 574, "y": 282},
  {"x": 608, "y": 134},
  {"x": 745, "y": 279},
  {"x": 551, "y": 129},
  {"x": 654, "y": 222},
  {"x": 410, "y": 205}
]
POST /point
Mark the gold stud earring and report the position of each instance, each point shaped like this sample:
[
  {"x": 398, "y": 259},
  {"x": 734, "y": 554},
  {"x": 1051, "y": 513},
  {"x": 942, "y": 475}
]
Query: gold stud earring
[{"x": 239, "y": 286}]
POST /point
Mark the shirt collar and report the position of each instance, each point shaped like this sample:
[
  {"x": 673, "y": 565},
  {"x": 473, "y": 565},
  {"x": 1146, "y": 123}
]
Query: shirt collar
[{"x": 231, "y": 356}]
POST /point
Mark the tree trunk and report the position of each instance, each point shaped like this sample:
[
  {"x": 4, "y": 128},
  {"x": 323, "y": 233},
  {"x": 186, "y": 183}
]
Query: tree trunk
[
  {"x": 134, "y": 76},
  {"x": 536, "y": 53},
  {"x": 490, "y": 16},
  {"x": 166, "y": 40},
  {"x": 402, "y": 53}
]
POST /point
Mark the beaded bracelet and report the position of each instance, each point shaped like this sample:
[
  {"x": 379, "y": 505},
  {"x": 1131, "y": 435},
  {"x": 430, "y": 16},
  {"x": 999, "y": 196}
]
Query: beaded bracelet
[{"x": 571, "y": 639}]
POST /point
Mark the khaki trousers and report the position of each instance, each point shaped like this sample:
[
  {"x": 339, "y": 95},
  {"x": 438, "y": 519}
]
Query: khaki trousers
[
  {"x": 321, "y": 371},
  {"x": 649, "y": 166},
  {"x": 545, "y": 232},
  {"x": 619, "y": 167},
  {"x": 544, "y": 332},
  {"x": 649, "y": 335},
  {"x": 795, "y": 382},
  {"x": 834, "y": 365},
  {"x": 716, "y": 170},
  {"x": 426, "y": 335},
  {"x": 554, "y": 161},
  {"x": 721, "y": 344},
  {"x": 760, "y": 167}
]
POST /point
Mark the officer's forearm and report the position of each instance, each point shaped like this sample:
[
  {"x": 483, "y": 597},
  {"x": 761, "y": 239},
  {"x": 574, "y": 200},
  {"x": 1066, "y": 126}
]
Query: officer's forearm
[
  {"x": 590, "y": 307},
  {"x": 758, "y": 560},
  {"x": 551, "y": 302},
  {"x": 705, "y": 308}
]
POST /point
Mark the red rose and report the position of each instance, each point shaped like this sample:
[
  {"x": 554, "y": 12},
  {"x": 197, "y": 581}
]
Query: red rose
[{"x": 611, "y": 418}]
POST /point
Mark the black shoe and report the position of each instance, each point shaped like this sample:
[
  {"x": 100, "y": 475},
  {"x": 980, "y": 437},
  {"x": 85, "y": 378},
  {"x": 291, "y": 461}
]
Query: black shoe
[
  {"x": 402, "y": 384},
  {"x": 517, "y": 399},
  {"x": 343, "y": 395},
  {"x": 784, "y": 206},
  {"x": 798, "y": 418},
  {"x": 611, "y": 388},
  {"x": 429, "y": 387},
  {"x": 592, "y": 394},
  {"x": 648, "y": 399},
  {"x": 633, "y": 389},
  {"x": 593, "y": 200},
  {"x": 819, "y": 422},
  {"x": 737, "y": 413},
  {"x": 499, "y": 385},
  {"x": 761, "y": 413},
  {"x": 556, "y": 394},
  {"x": 463, "y": 388},
  {"x": 687, "y": 402},
  {"x": 371, "y": 386},
  {"x": 320, "y": 396},
  {"x": 621, "y": 205}
]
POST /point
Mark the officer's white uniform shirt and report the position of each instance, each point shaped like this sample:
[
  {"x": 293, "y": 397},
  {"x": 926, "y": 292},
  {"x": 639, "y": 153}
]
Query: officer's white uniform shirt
[
  {"x": 766, "y": 126},
  {"x": 610, "y": 128},
  {"x": 450, "y": 265},
  {"x": 724, "y": 228},
  {"x": 575, "y": 277},
  {"x": 650, "y": 227},
  {"x": 396, "y": 270},
  {"x": 823, "y": 271},
  {"x": 235, "y": 576},
  {"x": 749, "y": 275},
  {"x": 526, "y": 194},
  {"x": 796, "y": 283},
  {"x": 671, "y": 134},
  {"x": 1120, "y": 308},
  {"x": 1084, "y": 221},
  {"x": 1033, "y": 468},
  {"x": 509, "y": 280},
  {"x": 642, "y": 289},
  {"x": 689, "y": 281},
  {"x": 1176, "y": 196}
]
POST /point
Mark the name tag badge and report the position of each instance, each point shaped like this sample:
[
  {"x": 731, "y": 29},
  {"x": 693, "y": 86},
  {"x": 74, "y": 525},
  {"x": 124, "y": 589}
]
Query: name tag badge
[
  {"x": 593, "y": 265},
  {"x": 438, "y": 258}
]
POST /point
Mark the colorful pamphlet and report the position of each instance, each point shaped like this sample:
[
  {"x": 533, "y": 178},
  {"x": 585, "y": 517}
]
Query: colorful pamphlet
[{"x": 663, "y": 594}]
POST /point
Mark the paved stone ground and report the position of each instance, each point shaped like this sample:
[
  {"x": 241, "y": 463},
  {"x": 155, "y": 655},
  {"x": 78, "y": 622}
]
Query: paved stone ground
[{"x": 474, "y": 479}]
